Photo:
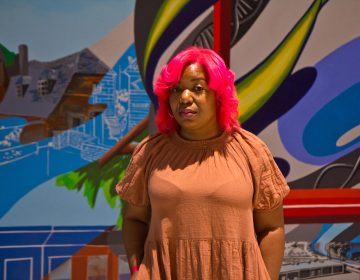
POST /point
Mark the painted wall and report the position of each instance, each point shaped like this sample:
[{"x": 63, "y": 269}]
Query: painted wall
[{"x": 76, "y": 79}]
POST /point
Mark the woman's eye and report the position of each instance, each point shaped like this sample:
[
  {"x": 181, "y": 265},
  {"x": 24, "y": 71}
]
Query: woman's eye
[
  {"x": 176, "y": 89},
  {"x": 198, "y": 88}
]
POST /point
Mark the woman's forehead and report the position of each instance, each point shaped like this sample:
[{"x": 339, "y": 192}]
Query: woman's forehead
[{"x": 194, "y": 72}]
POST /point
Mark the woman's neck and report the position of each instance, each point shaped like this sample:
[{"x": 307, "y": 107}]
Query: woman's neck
[{"x": 196, "y": 135}]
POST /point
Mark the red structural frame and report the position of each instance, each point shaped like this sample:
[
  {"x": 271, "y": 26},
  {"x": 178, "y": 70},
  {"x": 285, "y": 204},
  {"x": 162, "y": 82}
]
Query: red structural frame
[
  {"x": 222, "y": 29},
  {"x": 322, "y": 206}
]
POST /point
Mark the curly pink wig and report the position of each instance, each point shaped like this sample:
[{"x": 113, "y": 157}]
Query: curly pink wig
[{"x": 220, "y": 80}]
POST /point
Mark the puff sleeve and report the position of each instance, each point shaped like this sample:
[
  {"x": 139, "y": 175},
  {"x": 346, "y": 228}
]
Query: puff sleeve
[
  {"x": 270, "y": 186},
  {"x": 133, "y": 188}
]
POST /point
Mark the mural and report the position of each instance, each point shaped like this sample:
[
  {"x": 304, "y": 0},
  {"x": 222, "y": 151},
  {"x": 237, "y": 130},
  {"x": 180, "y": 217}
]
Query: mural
[{"x": 69, "y": 122}]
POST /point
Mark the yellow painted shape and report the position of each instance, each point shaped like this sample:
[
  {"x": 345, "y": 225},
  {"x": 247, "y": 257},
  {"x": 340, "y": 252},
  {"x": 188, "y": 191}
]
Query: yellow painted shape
[
  {"x": 168, "y": 10},
  {"x": 257, "y": 88}
]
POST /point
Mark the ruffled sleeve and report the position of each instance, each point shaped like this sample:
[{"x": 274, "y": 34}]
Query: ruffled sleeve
[
  {"x": 133, "y": 187},
  {"x": 270, "y": 186}
]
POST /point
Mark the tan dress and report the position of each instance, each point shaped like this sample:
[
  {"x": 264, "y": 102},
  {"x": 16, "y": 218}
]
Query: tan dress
[{"x": 202, "y": 196}]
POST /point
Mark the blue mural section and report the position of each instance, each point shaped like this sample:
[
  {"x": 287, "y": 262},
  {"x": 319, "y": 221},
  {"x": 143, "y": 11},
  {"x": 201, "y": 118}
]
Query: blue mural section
[
  {"x": 28, "y": 165},
  {"x": 328, "y": 110},
  {"x": 343, "y": 111},
  {"x": 33, "y": 252}
]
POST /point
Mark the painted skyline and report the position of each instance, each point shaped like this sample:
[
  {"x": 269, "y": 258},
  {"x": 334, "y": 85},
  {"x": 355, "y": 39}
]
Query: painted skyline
[
  {"x": 120, "y": 91},
  {"x": 41, "y": 24}
]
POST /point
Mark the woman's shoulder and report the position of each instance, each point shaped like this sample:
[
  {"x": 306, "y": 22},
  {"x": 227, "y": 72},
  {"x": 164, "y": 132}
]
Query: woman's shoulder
[
  {"x": 254, "y": 148},
  {"x": 249, "y": 139},
  {"x": 152, "y": 143}
]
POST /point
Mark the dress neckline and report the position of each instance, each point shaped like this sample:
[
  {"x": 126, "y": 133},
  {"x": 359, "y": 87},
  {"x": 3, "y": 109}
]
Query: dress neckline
[{"x": 217, "y": 141}]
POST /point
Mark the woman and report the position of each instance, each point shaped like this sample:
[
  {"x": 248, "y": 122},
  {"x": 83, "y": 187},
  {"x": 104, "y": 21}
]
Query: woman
[{"x": 204, "y": 197}]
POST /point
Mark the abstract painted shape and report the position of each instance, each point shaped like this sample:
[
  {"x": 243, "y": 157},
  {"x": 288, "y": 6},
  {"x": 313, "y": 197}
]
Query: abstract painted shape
[
  {"x": 332, "y": 121},
  {"x": 336, "y": 74},
  {"x": 329, "y": 233},
  {"x": 283, "y": 164},
  {"x": 155, "y": 30},
  {"x": 244, "y": 14},
  {"x": 286, "y": 96},
  {"x": 255, "y": 89},
  {"x": 167, "y": 11},
  {"x": 348, "y": 136},
  {"x": 343, "y": 172}
]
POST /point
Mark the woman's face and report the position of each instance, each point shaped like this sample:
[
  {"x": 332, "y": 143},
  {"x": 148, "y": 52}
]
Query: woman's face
[{"x": 193, "y": 104}]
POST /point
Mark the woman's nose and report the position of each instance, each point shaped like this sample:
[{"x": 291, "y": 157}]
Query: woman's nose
[{"x": 185, "y": 96}]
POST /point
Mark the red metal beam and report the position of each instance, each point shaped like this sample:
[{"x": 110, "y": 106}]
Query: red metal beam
[
  {"x": 222, "y": 29},
  {"x": 322, "y": 206}
]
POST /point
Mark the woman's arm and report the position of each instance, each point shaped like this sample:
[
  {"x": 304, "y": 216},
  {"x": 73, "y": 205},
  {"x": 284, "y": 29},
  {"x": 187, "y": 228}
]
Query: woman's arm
[
  {"x": 135, "y": 228},
  {"x": 269, "y": 228}
]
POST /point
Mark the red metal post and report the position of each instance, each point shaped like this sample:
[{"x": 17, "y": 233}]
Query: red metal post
[{"x": 222, "y": 29}]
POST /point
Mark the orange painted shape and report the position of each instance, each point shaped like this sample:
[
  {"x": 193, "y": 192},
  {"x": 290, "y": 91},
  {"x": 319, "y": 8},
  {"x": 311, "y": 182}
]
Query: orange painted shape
[
  {"x": 79, "y": 261},
  {"x": 113, "y": 267},
  {"x": 79, "y": 268}
]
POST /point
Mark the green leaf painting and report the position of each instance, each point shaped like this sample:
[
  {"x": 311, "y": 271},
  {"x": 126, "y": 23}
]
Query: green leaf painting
[
  {"x": 91, "y": 178},
  {"x": 9, "y": 56}
]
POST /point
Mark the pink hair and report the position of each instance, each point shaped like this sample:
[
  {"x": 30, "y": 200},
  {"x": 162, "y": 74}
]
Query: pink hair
[{"x": 220, "y": 80}]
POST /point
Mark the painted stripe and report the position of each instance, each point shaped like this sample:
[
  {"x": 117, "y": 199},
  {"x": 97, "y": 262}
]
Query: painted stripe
[
  {"x": 321, "y": 206},
  {"x": 52, "y": 231},
  {"x": 51, "y": 245}
]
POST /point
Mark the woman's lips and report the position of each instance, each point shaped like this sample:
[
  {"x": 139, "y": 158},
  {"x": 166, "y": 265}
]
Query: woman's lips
[{"x": 187, "y": 113}]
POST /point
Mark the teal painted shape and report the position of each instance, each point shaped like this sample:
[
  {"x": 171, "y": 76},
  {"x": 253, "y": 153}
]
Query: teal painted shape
[{"x": 331, "y": 122}]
